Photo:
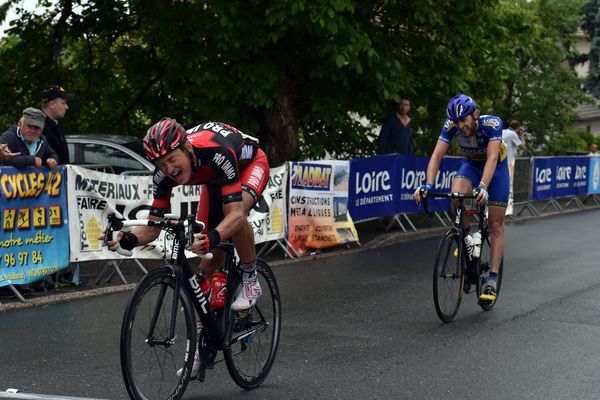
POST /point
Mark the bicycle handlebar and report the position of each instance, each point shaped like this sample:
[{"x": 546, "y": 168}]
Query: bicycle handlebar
[
  {"x": 446, "y": 195},
  {"x": 169, "y": 222}
]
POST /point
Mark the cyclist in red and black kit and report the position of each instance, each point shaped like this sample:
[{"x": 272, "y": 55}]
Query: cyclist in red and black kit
[{"x": 235, "y": 172}]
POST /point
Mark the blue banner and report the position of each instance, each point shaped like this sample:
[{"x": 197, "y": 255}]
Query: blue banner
[
  {"x": 570, "y": 173},
  {"x": 594, "y": 176},
  {"x": 414, "y": 173},
  {"x": 373, "y": 189},
  {"x": 34, "y": 240},
  {"x": 555, "y": 177},
  {"x": 580, "y": 175},
  {"x": 543, "y": 178},
  {"x": 384, "y": 185}
]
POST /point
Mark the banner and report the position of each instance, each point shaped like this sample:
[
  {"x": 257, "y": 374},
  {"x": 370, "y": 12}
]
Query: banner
[
  {"x": 594, "y": 175},
  {"x": 413, "y": 174},
  {"x": 555, "y": 177},
  {"x": 34, "y": 235},
  {"x": 269, "y": 216},
  {"x": 373, "y": 189},
  {"x": 543, "y": 178},
  {"x": 384, "y": 185},
  {"x": 571, "y": 176},
  {"x": 93, "y": 195},
  {"x": 318, "y": 202}
]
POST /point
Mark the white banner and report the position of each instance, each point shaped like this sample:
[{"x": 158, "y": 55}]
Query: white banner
[
  {"x": 268, "y": 218},
  {"x": 92, "y": 195}
]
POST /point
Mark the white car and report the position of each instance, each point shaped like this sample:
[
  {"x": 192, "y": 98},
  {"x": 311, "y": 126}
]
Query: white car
[{"x": 109, "y": 153}]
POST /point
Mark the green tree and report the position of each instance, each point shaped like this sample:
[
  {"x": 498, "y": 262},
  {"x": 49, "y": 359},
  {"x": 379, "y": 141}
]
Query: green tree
[
  {"x": 540, "y": 90},
  {"x": 301, "y": 75},
  {"x": 591, "y": 26}
]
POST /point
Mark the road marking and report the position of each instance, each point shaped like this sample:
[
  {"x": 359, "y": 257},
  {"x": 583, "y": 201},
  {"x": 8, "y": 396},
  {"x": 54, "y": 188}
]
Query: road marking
[{"x": 13, "y": 394}]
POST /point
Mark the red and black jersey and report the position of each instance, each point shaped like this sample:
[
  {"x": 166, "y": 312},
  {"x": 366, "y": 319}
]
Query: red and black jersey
[{"x": 221, "y": 153}]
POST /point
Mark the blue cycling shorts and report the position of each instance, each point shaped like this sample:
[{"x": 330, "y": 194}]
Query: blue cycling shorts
[{"x": 499, "y": 186}]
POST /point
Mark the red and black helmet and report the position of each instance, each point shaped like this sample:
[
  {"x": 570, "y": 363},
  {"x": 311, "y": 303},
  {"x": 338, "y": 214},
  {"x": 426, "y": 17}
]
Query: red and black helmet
[{"x": 163, "y": 137}]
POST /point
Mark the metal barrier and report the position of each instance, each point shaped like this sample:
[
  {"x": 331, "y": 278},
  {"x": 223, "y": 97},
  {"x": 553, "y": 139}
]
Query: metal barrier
[{"x": 522, "y": 184}]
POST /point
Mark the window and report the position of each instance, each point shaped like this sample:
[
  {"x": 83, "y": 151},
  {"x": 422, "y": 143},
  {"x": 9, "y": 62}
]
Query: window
[{"x": 106, "y": 155}]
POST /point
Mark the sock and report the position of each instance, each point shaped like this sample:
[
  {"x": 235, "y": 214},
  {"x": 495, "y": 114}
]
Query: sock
[
  {"x": 249, "y": 270},
  {"x": 494, "y": 276}
]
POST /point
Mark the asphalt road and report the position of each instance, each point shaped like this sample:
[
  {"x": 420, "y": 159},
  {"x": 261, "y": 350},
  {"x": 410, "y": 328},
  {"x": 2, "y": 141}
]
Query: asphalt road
[{"x": 362, "y": 325}]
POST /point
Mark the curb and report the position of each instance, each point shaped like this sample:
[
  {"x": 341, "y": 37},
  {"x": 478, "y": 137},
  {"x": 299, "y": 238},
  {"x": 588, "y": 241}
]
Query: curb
[{"x": 64, "y": 297}]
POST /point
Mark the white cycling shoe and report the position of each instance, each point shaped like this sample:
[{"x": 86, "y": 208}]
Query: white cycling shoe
[{"x": 249, "y": 293}]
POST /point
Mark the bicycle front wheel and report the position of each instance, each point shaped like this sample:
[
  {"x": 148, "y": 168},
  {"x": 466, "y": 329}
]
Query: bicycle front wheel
[
  {"x": 484, "y": 267},
  {"x": 151, "y": 352},
  {"x": 254, "y": 334},
  {"x": 448, "y": 276}
]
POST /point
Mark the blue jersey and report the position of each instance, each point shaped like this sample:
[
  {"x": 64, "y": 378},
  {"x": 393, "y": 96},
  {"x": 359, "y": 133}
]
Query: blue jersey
[{"x": 474, "y": 148}]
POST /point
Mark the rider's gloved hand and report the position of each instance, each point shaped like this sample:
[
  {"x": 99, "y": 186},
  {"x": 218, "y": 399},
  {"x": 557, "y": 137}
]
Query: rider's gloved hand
[
  {"x": 128, "y": 241},
  {"x": 481, "y": 193},
  {"x": 422, "y": 192},
  {"x": 428, "y": 187},
  {"x": 208, "y": 240}
]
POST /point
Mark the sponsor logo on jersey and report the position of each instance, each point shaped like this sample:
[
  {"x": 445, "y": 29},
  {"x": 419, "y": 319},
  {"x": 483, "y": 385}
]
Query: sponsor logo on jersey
[
  {"x": 226, "y": 165},
  {"x": 256, "y": 177},
  {"x": 247, "y": 152},
  {"x": 492, "y": 122},
  {"x": 217, "y": 128}
]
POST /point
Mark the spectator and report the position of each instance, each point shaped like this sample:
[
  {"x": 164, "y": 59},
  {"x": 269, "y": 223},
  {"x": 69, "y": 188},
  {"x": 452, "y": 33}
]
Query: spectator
[
  {"x": 396, "y": 131},
  {"x": 54, "y": 105},
  {"x": 514, "y": 139},
  {"x": 594, "y": 150},
  {"x": 26, "y": 138},
  {"x": 5, "y": 153}
]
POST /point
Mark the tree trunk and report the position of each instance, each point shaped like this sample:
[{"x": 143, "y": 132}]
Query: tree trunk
[{"x": 279, "y": 127}]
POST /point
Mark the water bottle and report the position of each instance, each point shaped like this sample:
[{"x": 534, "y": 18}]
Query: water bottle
[
  {"x": 476, "y": 244},
  {"x": 218, "y": 290},
  {"x": 204, "y": 285},
  {"x": 469, "y": 245}
]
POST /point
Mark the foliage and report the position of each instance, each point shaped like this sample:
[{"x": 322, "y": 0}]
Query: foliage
[
  {"x": 540, "y": 91},
  {"x": 591, "y": 26},
  {"x": 574, "y": 142},
  {"x": 301, "y": 75}
]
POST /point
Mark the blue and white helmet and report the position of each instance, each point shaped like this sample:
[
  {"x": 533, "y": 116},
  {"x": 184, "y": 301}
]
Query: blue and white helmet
[{"x": 460, "y": 106}]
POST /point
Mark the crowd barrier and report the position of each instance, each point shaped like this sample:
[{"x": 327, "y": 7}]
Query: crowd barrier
[{"x": 53, "y": 218}]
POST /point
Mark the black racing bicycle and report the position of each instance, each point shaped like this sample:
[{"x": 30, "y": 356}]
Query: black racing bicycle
[
  {"x": 458, "y": 269},
  {"x": 159, "y": 335}
]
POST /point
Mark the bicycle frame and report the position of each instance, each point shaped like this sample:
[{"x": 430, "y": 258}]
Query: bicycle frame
[
  {"x": 182, "y": 231},
  {"x": 458, "y": 223}
]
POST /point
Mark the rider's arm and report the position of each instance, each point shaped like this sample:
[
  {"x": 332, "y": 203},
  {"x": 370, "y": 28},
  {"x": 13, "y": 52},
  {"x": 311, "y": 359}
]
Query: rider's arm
[
  {"x": 147, "y": 234},
  {"x": 234, "y": 217},
  {"x": 493, "y": 151},
  {"x": 440, "y": 150},
  {"x": 143, "y": 235}
]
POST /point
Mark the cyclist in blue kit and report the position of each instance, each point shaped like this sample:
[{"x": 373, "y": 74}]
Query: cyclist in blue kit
[{"x": 484, "y": 171}]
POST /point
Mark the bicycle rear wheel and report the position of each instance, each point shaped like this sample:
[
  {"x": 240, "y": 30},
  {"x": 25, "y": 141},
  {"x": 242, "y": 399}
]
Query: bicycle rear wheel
[
  {"x": 484, "y": 266},
  {"x": 448, "y": 276},
  {"x": 150, "y": 355},
  {"x": 254, "y": 334}
]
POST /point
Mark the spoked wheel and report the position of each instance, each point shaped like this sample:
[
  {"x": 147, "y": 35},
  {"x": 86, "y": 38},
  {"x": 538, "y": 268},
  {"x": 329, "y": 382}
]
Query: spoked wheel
[
  {"x": 151, "y": 354},
  {"x": 254, "y": 334},
  {"x": 484, "y": 268},
  {"x": 448, "y": 276}
]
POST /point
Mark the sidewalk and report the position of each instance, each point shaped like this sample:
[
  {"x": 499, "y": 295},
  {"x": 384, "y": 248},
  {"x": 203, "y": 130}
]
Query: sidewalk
[{"x": 94, "y": 274}]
